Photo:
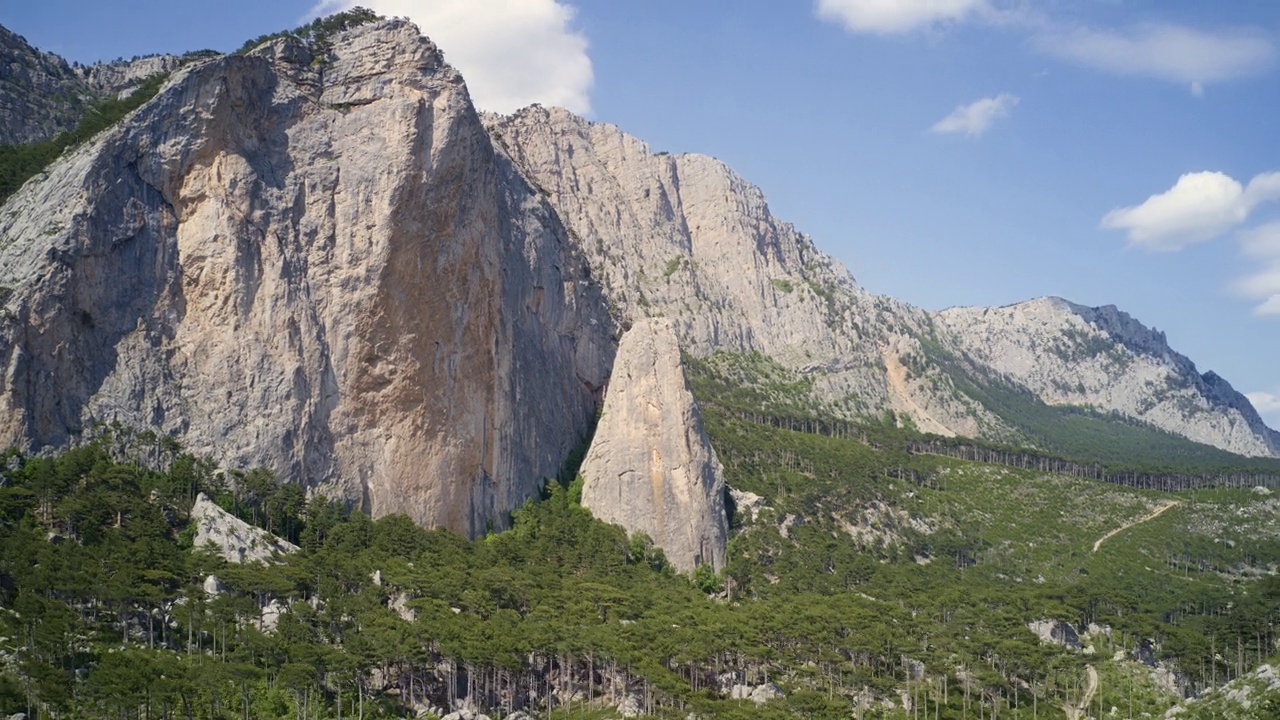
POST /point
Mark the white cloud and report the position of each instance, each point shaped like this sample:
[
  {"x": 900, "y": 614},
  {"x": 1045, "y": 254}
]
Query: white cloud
[
  {"x": 1263, "y": 285},
  {"x": 896, "y": 16},
  {"x": 1262, "y": 242},
  {"x": 1267, "y": 404},
  {"x": 512, "y": 53},
  {"x": 1199, "y": 207},
  {"x": 1167, "y": 52},
  {"x": 975, "y": 118},
  {"x": 1269, "y": 307}
]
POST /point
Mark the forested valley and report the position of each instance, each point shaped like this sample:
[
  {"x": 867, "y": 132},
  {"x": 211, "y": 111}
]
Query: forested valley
[{"x": 849, "y": 592}]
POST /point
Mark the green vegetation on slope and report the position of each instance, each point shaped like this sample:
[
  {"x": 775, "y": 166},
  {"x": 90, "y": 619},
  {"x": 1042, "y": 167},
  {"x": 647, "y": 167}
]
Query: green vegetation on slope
[
  {"x": 755, "y": 386},
  {"x": 19, "y": 163},
  {"x": 864, "y": 575},
  {"x": 317, "y": 32},
  {"x": 1086, "y": 435}
]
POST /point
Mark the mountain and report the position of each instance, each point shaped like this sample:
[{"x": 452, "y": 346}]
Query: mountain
[
  {"x": 40, "y": 94},
  {"x": 314, "y": 258},
  {"x": 317, "y": 257},
  {"x": 330, "y": 273},
  {"x": 684, "y": 237},
  {"x": 1102, "y": 358}
]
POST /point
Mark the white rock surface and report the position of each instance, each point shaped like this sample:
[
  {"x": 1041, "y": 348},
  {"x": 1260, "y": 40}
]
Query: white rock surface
[
  {"x": 236, "y": 540},
  {"x": 1101, "y": 357},
  {"x": 686, "y": 238},
  {"x": 117, "y": 78},
  {"x": 651, "y": 467},
  {"x": 213, "y": 586}
]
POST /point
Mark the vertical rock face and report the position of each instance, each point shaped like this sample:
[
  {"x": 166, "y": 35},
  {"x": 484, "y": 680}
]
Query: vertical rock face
[
  {"x": 650, "y": 467},
  {"x": 315, "y": 264},
  {"x": 685, "y": 237},
  {"x": 40, "y": 95}
]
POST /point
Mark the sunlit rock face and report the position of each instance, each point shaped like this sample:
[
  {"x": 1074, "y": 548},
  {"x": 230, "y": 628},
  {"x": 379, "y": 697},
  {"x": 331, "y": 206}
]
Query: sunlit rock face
[
  {"x": 317, "y": 264},
  {"x": 651, "y": 467}
]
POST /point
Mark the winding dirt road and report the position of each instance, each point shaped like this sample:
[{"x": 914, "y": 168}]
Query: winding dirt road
[
  {"x": 1159, "y": 511},
  {"x": 1077, "y": 711}
]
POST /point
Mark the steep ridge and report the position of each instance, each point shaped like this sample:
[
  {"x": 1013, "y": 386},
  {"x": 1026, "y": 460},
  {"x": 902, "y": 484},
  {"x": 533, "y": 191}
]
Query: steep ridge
[
  {"x": 684, "y": 237},
  {"x": 121, "y": 77},
  {"x": 651, "y": 467},
  {"x": 317, "y": 264},
  {"x": 40, "y": 94},
  {"x": 1102, "y": 358}
]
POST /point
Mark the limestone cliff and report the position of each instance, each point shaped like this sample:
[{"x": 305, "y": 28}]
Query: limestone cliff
[
  {"x": 685, "y": 237},
  {"x": 1103, "y": 358},
  {"x": 316, "y": 263},
  {"x": 40, "y": 95},
  {"x": 121, "y": 77},
  {"x": 651, "y": 467}
]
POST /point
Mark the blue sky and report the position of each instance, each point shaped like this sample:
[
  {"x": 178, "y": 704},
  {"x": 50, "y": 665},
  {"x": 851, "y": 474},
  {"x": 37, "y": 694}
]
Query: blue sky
[{"x": 950, "y": 152}]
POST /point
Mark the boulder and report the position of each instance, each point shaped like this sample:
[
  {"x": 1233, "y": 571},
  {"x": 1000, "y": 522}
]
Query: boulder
[{"x": 235, "y": 540}]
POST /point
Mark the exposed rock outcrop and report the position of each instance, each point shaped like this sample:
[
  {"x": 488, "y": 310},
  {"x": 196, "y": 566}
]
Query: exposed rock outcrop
[
  {"x": 651, "y": 467},
  {"x": 1056, "y": 632},
  {"x": 315, "y": 264},
  {"x": 1103, "y": 358},
  {"x": 685, "y": 237},
  {"x": 117, "y": 78},
  {"x": 236, "y": 540},
  {"x": 40, "y": 95}
]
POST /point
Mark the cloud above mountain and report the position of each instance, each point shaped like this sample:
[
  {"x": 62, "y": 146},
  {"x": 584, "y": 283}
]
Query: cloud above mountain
[
  {"x": 1199, "y": 207},
  {"x": 977, "y": 117},
  {"x": 512, "y": 52},
  {"x": 1165, "y": 52},
  {"x": 1262, "y": 246},
  {"x": 888, "y": 17},
  {"x": 1267, "y": 404}
]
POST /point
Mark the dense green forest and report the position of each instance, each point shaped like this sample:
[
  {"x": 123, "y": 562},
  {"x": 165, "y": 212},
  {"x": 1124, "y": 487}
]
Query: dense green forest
[{"x": 849, "y": 590}]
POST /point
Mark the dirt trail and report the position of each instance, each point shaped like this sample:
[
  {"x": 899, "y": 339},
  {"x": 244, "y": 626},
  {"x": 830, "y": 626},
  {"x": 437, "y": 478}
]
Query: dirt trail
[
  {"x": 1159, "y": 511},
  {"x": 1077, "y": 711}
]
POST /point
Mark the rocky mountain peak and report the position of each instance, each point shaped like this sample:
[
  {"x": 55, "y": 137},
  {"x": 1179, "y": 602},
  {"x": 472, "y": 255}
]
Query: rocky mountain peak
[
  {"x": 1101, "y": 357},
  {"x": 332, "y": 274},
  {"x": 40, "y": 95}
]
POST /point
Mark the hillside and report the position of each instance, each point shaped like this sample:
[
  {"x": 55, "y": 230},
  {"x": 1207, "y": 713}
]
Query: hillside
[
  {"x": 857, "y": 580},
  {"x": 515, "y": 416}
]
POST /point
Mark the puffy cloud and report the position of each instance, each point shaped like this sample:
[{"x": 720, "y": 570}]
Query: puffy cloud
[
  {"x": 975, "y": 118},
  {"x": 1263, "y": 285},
  {"x": 1199, "y": 207},
  {"x": 1167, "y": 52},
  {"x": 896, "y": 16},
  {"x": 512, "y": 52},
  {"x": 1267, "y": 404}
]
